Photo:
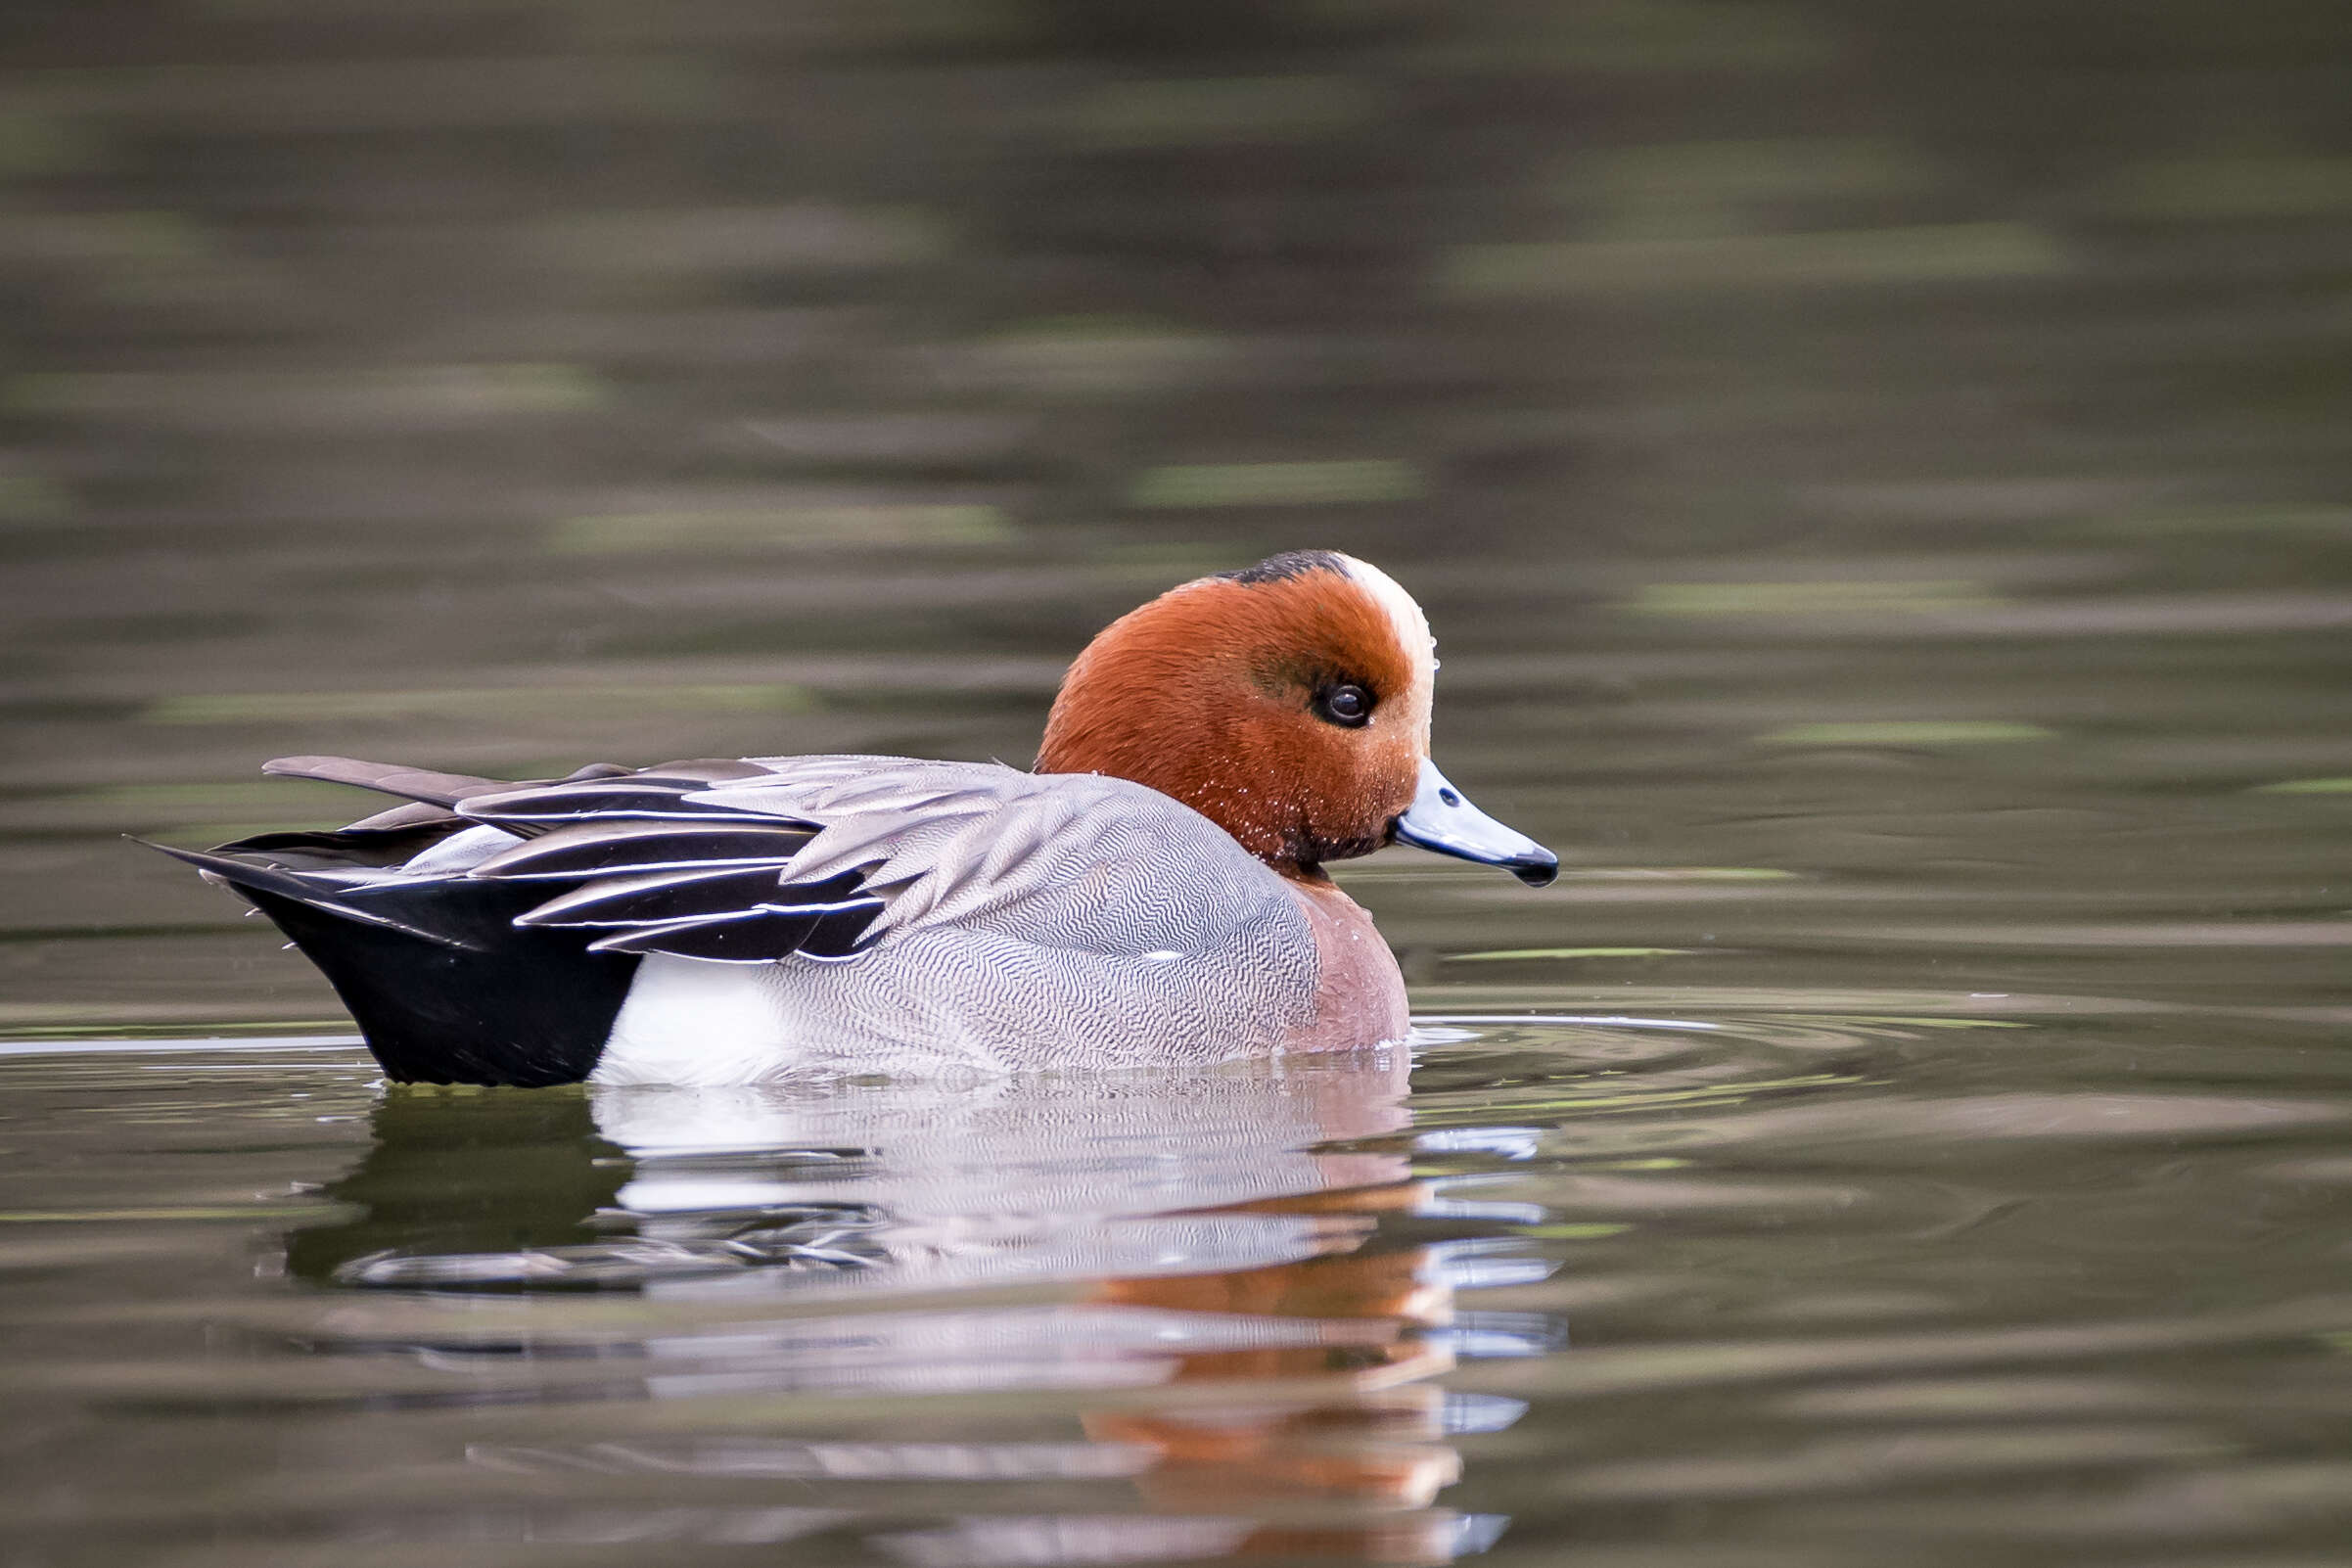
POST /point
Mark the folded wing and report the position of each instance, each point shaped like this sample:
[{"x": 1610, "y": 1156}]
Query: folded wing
[
  {"x": 754, "y": 861},
  {"x": 658, "y": 862}
]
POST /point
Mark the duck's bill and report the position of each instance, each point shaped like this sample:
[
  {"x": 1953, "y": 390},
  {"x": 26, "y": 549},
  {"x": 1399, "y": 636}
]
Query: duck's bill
[{"x": 1441, "y": 819}]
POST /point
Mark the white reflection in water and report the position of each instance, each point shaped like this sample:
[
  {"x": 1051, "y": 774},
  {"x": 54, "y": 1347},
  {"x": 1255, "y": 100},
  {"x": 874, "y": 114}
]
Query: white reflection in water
[
  {"x": 1234, "y": 1276},
  {"x": 754, "y": 1459},
  {"x": 1011, "y": 1179}
]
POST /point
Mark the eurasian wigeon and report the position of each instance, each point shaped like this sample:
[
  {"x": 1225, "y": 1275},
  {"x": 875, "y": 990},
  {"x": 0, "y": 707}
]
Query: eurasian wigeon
[{"x": 1153, "y": 894}]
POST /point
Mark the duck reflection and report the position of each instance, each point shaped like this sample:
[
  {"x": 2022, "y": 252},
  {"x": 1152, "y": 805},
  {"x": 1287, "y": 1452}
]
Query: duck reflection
[{"x": 1230, "y": 1281}]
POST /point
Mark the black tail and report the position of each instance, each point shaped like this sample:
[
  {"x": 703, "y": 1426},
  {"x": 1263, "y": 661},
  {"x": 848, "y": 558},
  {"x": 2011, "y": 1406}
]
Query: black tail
[{"x": 444, "y": 986}]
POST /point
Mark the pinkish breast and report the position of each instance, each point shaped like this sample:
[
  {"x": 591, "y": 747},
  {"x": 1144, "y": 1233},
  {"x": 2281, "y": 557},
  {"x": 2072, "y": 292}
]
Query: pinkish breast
[{"x": 1360, "y": 999}]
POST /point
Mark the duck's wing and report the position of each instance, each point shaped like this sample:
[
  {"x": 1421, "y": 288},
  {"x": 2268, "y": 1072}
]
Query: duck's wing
[
  {"x": 825, "y": 857},
  {"x": 1067, "y": 861},
  {"x": 630, "y": 852},
  {"x": 764, "y": 859},
  {"x": 668, "y": 860}
]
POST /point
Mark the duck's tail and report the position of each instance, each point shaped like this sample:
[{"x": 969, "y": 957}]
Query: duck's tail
[{"x": 444, "y": 986}]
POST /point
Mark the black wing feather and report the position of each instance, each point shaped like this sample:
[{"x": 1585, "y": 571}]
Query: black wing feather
[
  {"x": 624, "y": 857},
  {"x": 751, "y": 935},
  {"x": 617, "y": 849},
  {"x": 662, "y": 896},
  {"x": 636, "y": 797},
  {"x": 659, "y": 897}
]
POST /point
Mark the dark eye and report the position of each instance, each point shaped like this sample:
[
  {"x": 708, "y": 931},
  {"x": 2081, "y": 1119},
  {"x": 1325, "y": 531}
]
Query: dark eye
[{"x": 1344, "y": 704}]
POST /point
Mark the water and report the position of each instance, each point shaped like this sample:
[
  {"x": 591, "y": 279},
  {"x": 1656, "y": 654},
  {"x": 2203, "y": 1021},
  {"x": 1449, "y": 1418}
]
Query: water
[
  {"x": 1763, "y": 1284},
  {"x": 1878, "y": 475}
]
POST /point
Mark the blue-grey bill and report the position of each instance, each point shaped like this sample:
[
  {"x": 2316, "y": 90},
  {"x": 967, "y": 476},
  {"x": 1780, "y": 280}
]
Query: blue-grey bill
[{"x": 1441, "y": 819}]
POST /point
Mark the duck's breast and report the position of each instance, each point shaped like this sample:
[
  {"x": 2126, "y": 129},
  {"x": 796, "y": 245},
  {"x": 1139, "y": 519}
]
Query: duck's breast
[{"x": 1360, "y": 991}]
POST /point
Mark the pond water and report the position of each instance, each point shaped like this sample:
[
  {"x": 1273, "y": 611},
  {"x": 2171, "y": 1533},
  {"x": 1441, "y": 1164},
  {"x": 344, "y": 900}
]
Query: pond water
[{"x": 1878, "y": 479}]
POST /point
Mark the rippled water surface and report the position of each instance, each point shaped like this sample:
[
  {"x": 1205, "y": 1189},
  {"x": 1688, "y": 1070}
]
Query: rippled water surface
[
  {"x": 1879, "y": 477},
  {"x": 1745, "y": 1278}
]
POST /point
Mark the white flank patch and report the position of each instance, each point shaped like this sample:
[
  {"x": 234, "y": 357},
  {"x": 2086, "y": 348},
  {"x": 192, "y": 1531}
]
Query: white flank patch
[{"x": 689, "y": 1021}]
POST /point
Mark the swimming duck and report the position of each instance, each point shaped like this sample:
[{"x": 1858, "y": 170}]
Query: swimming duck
[{"x": 1153, "y": 894}]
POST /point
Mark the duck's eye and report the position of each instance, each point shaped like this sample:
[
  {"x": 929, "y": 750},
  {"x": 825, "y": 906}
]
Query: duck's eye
[{"x": 1344, "y": 704}]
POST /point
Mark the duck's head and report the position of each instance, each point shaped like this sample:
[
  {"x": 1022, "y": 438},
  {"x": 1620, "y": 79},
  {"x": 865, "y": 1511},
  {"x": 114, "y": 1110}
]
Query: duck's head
[{"x": 1289, "y": 704}]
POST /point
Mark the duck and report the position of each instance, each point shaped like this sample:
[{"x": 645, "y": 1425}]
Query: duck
[{"x": 1153, "y": 894}]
